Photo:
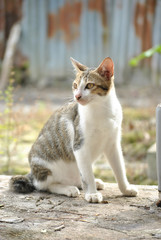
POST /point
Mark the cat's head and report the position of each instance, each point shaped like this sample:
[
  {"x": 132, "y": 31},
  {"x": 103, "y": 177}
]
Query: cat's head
[{"x": 92, "y": 83}]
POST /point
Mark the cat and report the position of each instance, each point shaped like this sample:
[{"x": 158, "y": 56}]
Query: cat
[{"x": 75, "y": 136}]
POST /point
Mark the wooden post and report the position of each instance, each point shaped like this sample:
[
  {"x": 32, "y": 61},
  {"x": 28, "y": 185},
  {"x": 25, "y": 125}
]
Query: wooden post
[{"x": 9, "y": 54}]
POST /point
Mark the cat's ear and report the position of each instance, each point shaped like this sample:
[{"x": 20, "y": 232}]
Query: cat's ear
[
  {"x": 106, "y": 68},
  {"x": 77, "y": 65}
]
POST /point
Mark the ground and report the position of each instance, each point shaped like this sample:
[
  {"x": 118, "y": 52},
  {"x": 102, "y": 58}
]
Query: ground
[{"x": 48, "y": 216}]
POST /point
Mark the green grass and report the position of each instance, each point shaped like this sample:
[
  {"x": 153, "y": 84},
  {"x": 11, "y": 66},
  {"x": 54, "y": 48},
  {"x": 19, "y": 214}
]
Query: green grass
[{"x": 138, "y": 132}]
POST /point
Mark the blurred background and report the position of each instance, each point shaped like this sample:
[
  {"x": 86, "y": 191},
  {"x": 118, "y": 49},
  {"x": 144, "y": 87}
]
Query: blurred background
[{"x": 37, "y": 38}]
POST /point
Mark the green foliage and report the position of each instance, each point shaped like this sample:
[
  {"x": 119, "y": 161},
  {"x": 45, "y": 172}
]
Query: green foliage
[
  {"x": 7, "y": 138},
  {"x": 138, "y": 133},
  {"x": 135, "y": 61},
  {"x": 22, "y": 73}
]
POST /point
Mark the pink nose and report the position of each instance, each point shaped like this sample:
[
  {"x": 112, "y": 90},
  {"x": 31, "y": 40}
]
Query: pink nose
[{"x": 78, "y": 96}]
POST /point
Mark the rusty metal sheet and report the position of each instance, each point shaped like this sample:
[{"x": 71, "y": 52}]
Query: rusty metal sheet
[
  {"x": 90, "y": 30},
  {"x": 65, "y": 19}
]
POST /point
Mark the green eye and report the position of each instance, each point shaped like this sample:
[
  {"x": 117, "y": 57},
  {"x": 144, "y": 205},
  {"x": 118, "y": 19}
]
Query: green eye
[
  {"x": 75, "y": 85},
  {"x": 90, "y": 85}
]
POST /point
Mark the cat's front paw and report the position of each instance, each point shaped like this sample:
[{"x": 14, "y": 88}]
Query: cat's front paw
[
  {"x": 130, "y": 191},
  {"x": 72, "y": 191},
  {"x": 94, "y": 197},
  {"x": 100, "y": 185}
]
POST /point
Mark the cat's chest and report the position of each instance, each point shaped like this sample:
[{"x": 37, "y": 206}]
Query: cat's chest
[
  {"x": 100, "y": 125},
  {"x": 97, "y": 133}
]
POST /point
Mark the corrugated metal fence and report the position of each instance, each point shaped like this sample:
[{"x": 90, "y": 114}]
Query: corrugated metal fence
[{"x": 90, "y": 30}]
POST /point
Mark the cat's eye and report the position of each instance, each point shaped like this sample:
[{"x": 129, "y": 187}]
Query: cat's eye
[
  {"x": 90, "y": 85},
  {"x": 75, "y": 86}
]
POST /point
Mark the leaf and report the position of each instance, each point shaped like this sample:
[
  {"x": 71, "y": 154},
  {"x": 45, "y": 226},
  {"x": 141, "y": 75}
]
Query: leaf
[{"x": 135, "y": 61}]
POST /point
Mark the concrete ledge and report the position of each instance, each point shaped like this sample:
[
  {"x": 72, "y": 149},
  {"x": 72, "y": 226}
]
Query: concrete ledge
[{"x": 47, "y": 216}]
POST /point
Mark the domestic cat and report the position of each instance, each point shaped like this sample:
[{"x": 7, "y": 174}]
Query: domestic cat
[{"x": 75, "y": 136}]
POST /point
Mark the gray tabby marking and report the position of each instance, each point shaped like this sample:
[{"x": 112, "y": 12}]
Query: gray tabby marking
[{"x": 54, "y": 141}]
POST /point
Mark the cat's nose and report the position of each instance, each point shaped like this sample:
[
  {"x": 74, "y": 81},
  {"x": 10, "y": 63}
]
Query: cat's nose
[{"x": 78, "y": 96}]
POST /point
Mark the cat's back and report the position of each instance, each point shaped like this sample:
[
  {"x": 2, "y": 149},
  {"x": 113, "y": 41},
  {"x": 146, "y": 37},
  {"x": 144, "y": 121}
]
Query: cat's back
[
  {"x": 56, "y": 137},
  {"x": 66, "y": 113}
]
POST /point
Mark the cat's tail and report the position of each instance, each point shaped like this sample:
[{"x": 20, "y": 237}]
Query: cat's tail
[{"x": 22, "y": 184}]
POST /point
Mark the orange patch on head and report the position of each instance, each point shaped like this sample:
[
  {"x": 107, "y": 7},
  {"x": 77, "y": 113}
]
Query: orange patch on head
[
  {"x": 98, "y": 81},
  {"x": 77, "y": 81}
]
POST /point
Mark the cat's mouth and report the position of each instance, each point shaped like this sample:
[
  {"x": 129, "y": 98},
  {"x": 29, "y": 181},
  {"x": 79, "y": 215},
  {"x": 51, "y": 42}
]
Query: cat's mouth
[{"x": 83, "y": 101}]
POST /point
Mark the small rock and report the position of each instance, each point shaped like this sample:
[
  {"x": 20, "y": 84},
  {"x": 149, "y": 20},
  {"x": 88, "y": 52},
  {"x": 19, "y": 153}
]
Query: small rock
[
  {"x": 11, "y": 219},
  {"x": 59, "y": 228},
  {"x": 158, "y": 203}
]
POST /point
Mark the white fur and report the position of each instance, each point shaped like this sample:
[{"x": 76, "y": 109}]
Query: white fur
[{"x": 100, "y": 122}]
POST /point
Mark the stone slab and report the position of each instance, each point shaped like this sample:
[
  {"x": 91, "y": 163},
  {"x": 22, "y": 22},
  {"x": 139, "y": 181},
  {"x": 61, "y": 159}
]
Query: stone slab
[{"x": 46, "y": 216}]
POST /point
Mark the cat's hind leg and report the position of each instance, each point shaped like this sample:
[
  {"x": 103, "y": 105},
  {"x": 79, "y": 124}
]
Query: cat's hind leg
[
  {"x": 70, "y": 191},
  {"x": 58, "y": 188},
  {"x": 55, "y": 177},
  {"x": 100, "y": 185}
]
